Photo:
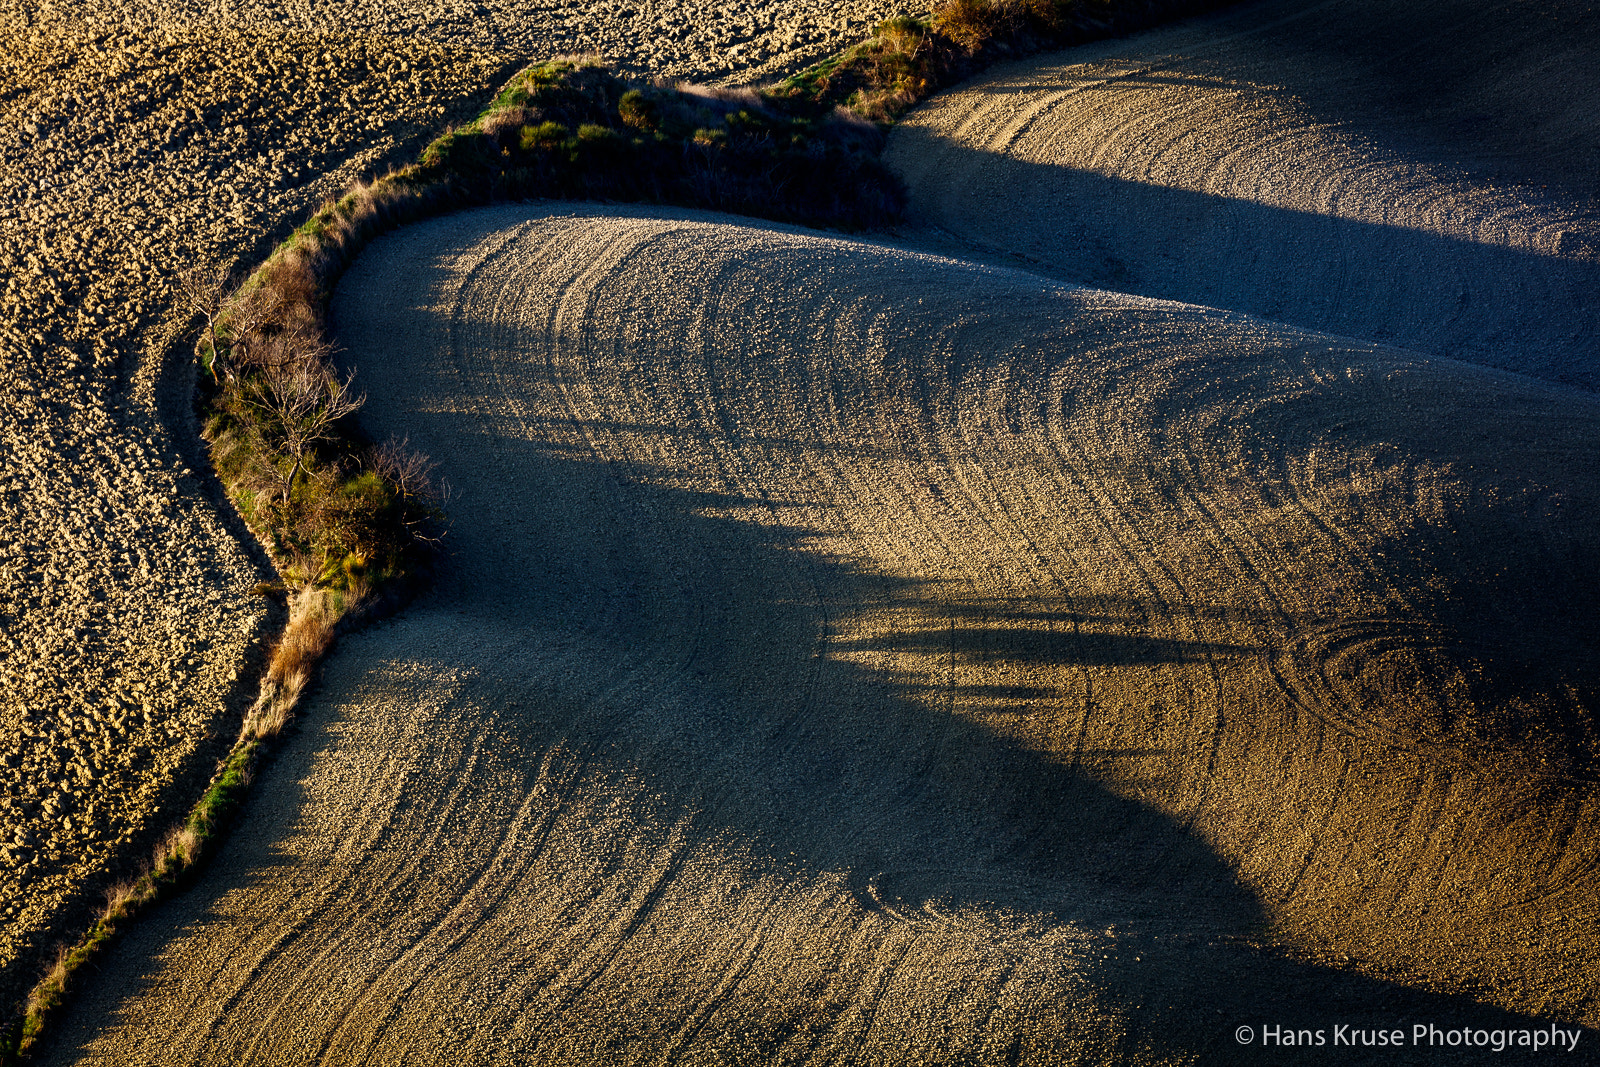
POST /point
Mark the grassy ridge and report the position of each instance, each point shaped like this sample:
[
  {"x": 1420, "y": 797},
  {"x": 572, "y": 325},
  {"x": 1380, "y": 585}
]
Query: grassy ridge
[
  {"x": 353, "y": 525},
  {"x": 573, "y": 129},
  {"x": 907, "y": 59}
]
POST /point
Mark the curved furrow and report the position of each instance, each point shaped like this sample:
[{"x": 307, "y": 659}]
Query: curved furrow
[
  {"x": 1361, "y": 168},
  {"x": 385, "y": 996},
  {"x": 940, "y": 665}
]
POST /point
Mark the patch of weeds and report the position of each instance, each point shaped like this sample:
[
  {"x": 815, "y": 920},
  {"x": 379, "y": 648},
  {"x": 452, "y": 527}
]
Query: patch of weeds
[
  {"x": 575, "y": 129},
  {"x": 908, "y": 59}
]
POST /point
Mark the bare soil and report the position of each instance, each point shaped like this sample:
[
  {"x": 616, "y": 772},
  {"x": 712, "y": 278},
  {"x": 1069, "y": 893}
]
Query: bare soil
[
  {"x": 134, "y": 138},
  {"x": 735, "y": 41},
  {"x": 127, "y": 632},
  {"x": 850, "y": 655},
  {"x": 1422, "y": 173}
]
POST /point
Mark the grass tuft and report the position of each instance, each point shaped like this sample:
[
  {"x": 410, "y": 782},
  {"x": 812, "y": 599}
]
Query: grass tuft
[{"x": 313, "y": 616}]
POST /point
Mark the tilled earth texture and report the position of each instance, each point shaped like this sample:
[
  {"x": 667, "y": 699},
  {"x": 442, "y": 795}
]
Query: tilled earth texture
[
  {"x": 127, "y": 629},
  {"x": 134, "y": 139},
  {"x": 851, "y": 655},
  {"x": 738, "y": 41},
  {"x": 1424, "y": 173}
]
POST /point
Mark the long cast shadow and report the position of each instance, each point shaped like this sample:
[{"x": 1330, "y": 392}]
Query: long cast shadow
[
  {"x": 1486, "y": 303},
  {"x": 1433, "y": 67},
  {"x": 854, "y": 769},
  {"x": 987, "y": 824},
  {"x": 1480, "y": 303}
]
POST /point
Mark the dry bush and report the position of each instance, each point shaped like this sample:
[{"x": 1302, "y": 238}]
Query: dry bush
[
  {"x": 313, "y": 615},
  {"x": 301, "y": 400},
  {"x": 251, "y": 316},
  {"x": 970, "y": 23},
  {"x": 408, "y": 470},
  {"x": 122, "y": 899},
  {"x": 204, "y": 289},
  {"x": 411, "y": 473}
]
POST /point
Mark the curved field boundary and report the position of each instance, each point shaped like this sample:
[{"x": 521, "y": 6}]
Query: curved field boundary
[
  {"x": 851, "y": 656},
  {"x": 1417, "y": 174},
  {"x": 297, "y": 279}
]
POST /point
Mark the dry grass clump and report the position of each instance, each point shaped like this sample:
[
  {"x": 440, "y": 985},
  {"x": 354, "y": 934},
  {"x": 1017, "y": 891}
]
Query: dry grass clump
[
  {"x": 907, "y": 59},
  {"x": 314, "y": 615}
]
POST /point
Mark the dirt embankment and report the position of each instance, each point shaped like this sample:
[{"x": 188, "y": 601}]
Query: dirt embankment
[
  {"x": 852, "y": 656},
  {"x": 1421, "y": 173}
]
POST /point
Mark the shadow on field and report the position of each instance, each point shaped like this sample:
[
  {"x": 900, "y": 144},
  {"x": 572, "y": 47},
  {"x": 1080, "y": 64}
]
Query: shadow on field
[
  {"x": 1512, "y": 87},
  {"x": 734, "y": 691},
  {"x": 1481, "y": 303},
  {"x": 855, "y": 770}
]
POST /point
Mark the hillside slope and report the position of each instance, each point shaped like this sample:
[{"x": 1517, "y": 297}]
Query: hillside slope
[
  {"x": 1423, "y": 174},
  {"x": 136, "y": 139},
  {"x": 856, "y": 656}
]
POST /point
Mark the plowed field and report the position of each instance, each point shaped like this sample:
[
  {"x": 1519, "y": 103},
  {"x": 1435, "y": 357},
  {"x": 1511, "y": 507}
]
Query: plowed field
[
  {"x": 851, "y": 655},
  {"x": 136, "y": 139},
  {"x": 127, "y": 626},
  {"x": 1420, "y": 173}
]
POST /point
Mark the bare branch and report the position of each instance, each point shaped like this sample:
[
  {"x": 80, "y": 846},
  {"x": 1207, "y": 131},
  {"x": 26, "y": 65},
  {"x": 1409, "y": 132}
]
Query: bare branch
[
  {"x": 408, "y": 470},
  {"x": 411, "y": 473},
  {"x": 302, "y": 398},
  {"x": 246, "y": 317},
  {"x": 204, "y": 287}
]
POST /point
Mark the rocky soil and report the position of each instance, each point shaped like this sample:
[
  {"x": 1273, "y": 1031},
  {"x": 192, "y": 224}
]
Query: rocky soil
[
  {"x": 739, "y": 41},
  {"x": 136, "y": 138}
]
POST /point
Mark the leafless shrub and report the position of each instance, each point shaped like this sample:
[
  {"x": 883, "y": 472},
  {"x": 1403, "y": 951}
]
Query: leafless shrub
[
  {"x": 274, "y": 350},
  {"x": 302, "y": 399},
  {"x": 204, "y": 288},
  {"x": 411, "y": 473},
  {"x": 248, "y": 316},
  {"x": 408, "y": 470}
]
